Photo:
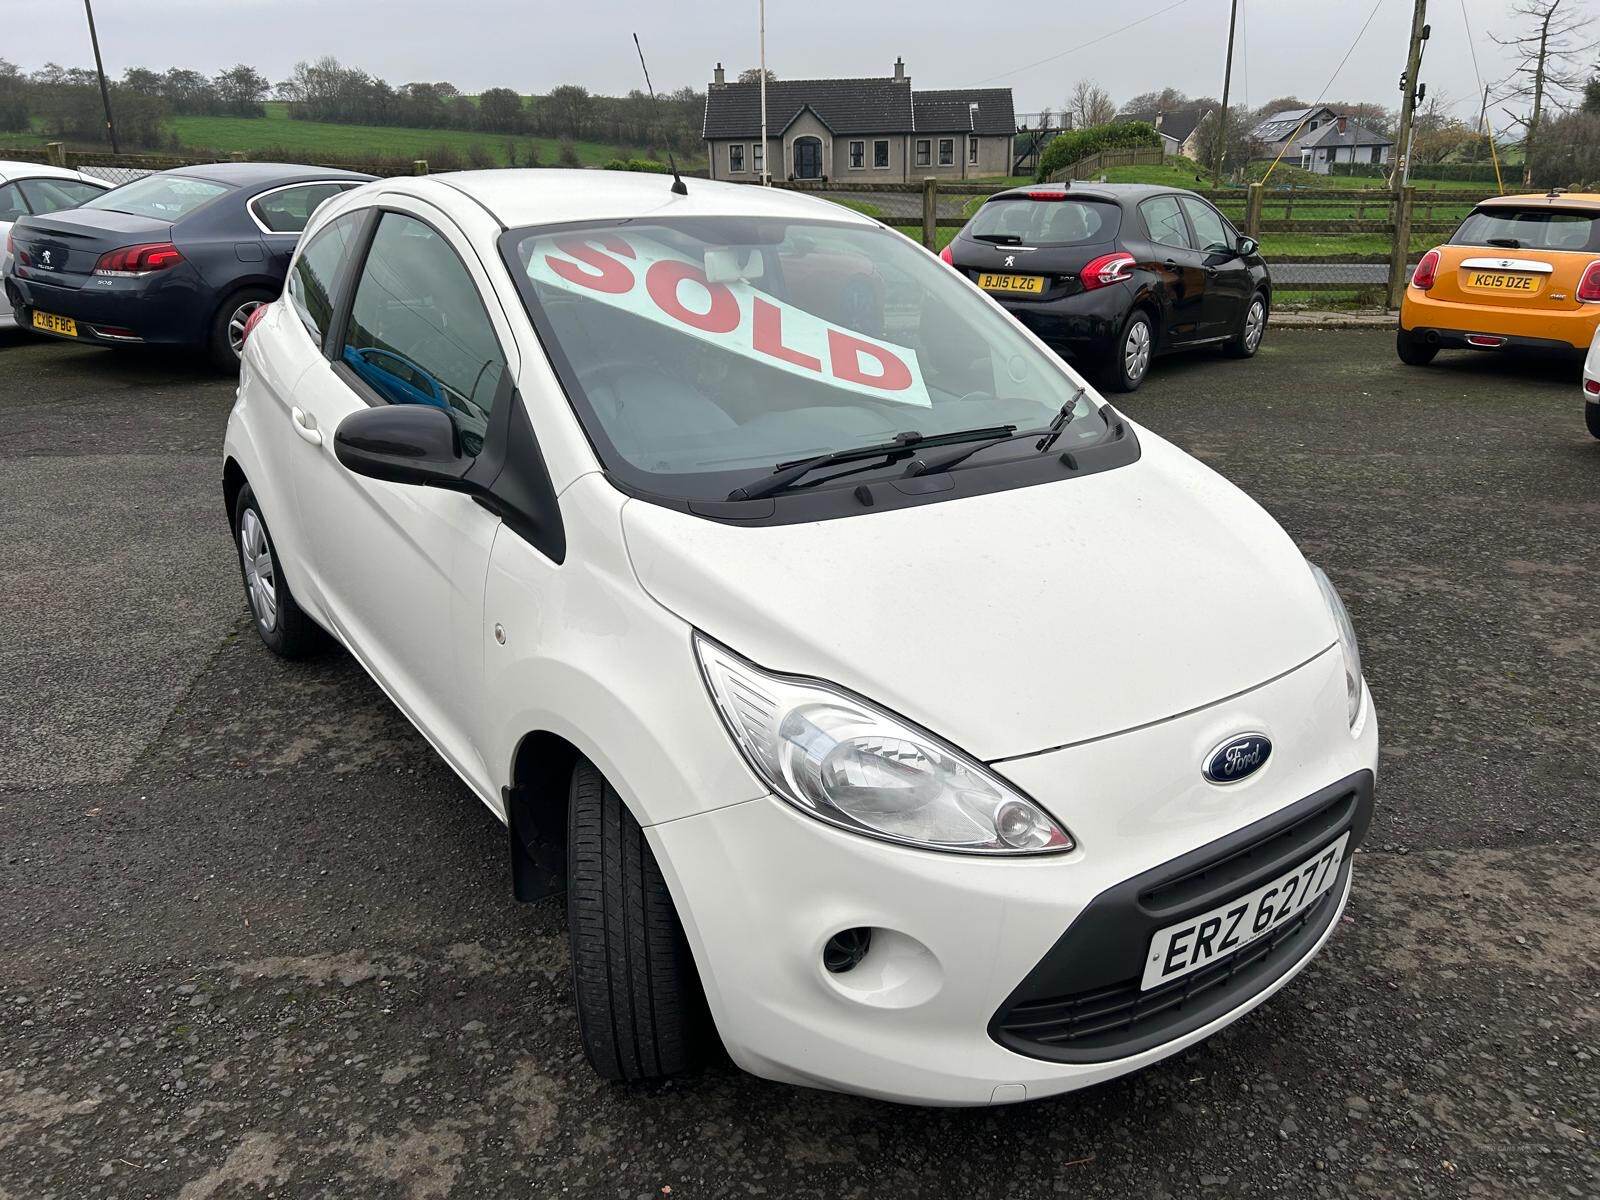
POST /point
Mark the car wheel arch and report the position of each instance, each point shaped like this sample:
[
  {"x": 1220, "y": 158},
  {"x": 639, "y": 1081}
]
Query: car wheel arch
[{"x": 233, "y": 482}]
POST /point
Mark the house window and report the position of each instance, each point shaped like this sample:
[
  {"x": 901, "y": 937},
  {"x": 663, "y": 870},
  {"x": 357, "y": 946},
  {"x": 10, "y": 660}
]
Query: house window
[
  {"x": 972, "y": 149},
  {"x": 858, "y": 155},
  {"x": 1377, "y": 154},
  {"x": 947, "y": 151},
  {"x": 1305, "y": 161},
  {"x": 924, "y": 150},
  {"x": 880, "y": 153},
  {"x": 758, "y": 159},
  {"x": 736, "y": 157},
  {"x": 1311, "y": 126}
]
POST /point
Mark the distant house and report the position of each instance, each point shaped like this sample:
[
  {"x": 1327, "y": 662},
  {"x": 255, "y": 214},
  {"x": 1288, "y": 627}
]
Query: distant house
[
  {"x": 871, "y": 129},
  {"x": 1178, "y": 129},
  {"x": 1316, "y": 138}
]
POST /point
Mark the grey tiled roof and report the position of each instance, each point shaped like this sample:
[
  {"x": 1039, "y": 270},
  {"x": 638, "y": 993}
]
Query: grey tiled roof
[
  {"x": 1177, "y": 125},
  {"x": 847, "y": 106},
  {"x": 1355, "y": 134},
  {"x": 843, "y": 105},
  {"x": 951, "y": 111}
]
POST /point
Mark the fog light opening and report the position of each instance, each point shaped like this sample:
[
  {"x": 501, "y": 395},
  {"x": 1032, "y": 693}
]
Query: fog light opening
[{"x": 846, "y": 949}]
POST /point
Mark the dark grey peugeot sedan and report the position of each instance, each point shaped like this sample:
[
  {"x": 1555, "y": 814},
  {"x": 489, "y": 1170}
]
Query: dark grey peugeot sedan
[{"x": 1112, "y": 275}]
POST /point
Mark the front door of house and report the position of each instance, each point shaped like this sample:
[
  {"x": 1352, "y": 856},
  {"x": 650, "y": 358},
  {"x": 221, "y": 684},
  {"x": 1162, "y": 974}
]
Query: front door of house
[{"x": 807, "y": 158}]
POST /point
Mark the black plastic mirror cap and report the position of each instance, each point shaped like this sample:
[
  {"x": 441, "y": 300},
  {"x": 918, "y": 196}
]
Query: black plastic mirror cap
[{"x": 402, "y": 443}]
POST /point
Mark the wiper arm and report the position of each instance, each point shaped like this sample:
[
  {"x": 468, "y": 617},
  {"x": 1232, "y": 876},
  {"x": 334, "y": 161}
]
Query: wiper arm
[
  {"x": 786, "y": 475},
  {"x": 1508, "y": 243},
  {"x": 1061, "y": 420},
  {"x": 1047, "y": 437}
]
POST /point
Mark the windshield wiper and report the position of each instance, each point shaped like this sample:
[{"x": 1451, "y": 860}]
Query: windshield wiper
[
  {"x": 787, "y": 474},
  {"x": 1508, "y": 243},
  {"x": 1047, "y": 437},
  {"x": 1000, "y": 239}
]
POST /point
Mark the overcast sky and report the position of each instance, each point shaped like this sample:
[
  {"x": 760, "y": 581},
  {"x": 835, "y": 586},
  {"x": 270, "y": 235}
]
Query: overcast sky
[{"x": 1288, "y": 46}]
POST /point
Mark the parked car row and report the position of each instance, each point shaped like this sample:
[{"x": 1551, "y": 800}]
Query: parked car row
[{"x": 178, "y": 258}]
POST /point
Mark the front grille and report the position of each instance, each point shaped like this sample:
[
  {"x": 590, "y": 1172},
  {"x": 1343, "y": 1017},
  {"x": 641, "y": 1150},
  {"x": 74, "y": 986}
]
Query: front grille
[
  {"x": 1082, "y": 1001},
  {"x": 1110, "y": 1018}
]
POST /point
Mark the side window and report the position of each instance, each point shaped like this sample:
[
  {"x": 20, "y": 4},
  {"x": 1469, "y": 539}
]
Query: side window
[
  {"x": 1164, "y": 220},
  {"x": 418, "y": 331},
  {"x": 1208, "y": 226},
  {"x": 947, "y": 151},
  {"x": 880, "y": 152},
  {"x": 310, "y": 283},
  {"x": 52, "y": 195},
  {"x": 288, "y": 209},
  {"x": 11, "y": 206}
]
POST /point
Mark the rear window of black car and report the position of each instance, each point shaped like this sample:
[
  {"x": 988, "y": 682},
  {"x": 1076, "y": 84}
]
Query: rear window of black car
[
  {"x": 1530, "y": 229},
  {"x": 1023, "y": 221},
  {"x": 164, "y": 197}
]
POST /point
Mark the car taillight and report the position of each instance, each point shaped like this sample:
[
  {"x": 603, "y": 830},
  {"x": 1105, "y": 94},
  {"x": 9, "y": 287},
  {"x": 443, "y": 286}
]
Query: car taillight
[
  {"x": 1427, "y": 271},
  {"x": 250, "y": 322},
  {"x": 138, "y": 260},
  {"x": 1592, "y": 386},
  {"x": 1589, "y": 285},
  {"x": 948, "y": 256},
  {"x": 1106, "y": 270}
]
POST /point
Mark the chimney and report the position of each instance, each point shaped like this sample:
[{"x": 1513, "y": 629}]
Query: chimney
[
  {"x": 1344, "y": 124},
  {"x": 1160, "y": 116},
  {"x": 899, "y": 67},
  {"x": 719, "y": 76}
]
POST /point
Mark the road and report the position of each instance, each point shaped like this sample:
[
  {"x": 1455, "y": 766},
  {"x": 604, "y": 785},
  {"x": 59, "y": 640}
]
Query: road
[{"x": 256, "y": 941}]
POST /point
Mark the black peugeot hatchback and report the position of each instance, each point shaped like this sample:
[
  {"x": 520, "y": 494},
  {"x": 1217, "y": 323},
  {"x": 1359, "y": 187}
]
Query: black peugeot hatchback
[{"x": 1112, "y": 274}]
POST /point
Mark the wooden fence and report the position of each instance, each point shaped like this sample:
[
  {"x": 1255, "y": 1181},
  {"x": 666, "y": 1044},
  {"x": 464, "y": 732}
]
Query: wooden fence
[{"x": 1125, "y": 156}]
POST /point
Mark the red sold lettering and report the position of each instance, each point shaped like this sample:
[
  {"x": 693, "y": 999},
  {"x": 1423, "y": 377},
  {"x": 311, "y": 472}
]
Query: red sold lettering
[
  {"x": 608, "y": 275},
  {"x": 845, "y": 351},
  {"x": 662, "y": 280},
  {"x": 768, "y": 337}
]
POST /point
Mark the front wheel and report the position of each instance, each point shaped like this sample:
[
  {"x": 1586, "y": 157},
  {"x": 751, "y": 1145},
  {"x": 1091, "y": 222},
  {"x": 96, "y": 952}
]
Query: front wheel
[
  {"x": 633, "y": 979},
  {"x": 1414, "y": 352},
  {"x": 1252, "y": 329},
  {"x": 1130, "y": 361}
]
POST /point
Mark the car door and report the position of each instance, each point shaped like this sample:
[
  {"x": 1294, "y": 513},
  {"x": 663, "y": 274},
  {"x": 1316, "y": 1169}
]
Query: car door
[
  {"x": 400, "y": 570},
  {"x": 281, "y": 215},
  {"x": 1174, "y": 259},
  {"x": 1229, "y": 285}
]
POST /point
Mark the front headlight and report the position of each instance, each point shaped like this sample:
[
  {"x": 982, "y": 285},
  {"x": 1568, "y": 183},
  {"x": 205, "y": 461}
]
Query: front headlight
[
  {"x": 843, "y": 761},
  {"x": 1347, "y": 642}
]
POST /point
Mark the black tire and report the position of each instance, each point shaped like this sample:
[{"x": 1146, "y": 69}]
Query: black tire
[
  {"x": 1591, "y": 417},
  {"x": 1247, "y": 340},
  {"x": 1413, "y": 351},
  {"x": 283, "y": 625},
  {"x": 219, "y": 341},
  {"x": 1124, "y": 371},
  {"x": 633, "y": 980}
]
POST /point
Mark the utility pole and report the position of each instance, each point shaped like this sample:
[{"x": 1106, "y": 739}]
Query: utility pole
[
  {"x": 1538, "y": 96},
  {"x": 766, "y": 175},
  {"x": 100, "y": 69},
  {"x": 1408, "y": 89},
  {"x": 1222, "y": 117}
]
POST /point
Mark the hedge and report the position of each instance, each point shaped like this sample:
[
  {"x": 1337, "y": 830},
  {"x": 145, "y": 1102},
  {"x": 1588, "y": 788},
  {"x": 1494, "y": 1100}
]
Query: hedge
[
  {"x": 1438, "y": 172},
  {"x": 636, "y": 164},
  {"x": 1069, "y": 147}
]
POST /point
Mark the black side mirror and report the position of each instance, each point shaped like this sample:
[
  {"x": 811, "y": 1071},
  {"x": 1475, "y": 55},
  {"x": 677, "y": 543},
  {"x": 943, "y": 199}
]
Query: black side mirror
[
  {"x": 403, "y": 443},
  {"x": 1248, "y": 246}
]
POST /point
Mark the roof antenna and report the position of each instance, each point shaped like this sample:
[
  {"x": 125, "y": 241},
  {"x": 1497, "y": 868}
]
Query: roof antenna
[{"x": 677, "y": 180}]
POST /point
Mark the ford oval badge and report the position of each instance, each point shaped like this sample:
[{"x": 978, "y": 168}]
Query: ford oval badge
[{"x": 1238, "y": 758}]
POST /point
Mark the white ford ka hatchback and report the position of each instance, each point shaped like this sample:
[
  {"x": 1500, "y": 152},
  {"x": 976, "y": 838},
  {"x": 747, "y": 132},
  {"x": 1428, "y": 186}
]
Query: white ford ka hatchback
[{"x": 885, "y": 703}]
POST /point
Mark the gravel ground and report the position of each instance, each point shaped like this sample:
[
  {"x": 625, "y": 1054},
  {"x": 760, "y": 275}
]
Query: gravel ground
[{"x": 256, "y": 941}]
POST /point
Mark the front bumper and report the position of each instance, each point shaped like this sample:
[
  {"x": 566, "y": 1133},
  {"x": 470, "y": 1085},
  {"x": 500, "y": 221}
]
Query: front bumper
[
  {"x": 761, "y": 888},
  {"x": 1448, "y": 324}
]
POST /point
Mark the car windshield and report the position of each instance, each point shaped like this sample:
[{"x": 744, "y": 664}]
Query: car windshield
[
  {"x": 702, "y": 352},
  {"x": 1023, "y": 221},
  {"x": 1530, "y": 229},
  {"x": 165, "y": 197}
]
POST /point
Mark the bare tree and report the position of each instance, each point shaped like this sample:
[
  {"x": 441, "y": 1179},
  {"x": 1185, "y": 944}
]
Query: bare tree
[
  {"x": 1550, "y": 49},
  {"x": 1090, "y": 104}
]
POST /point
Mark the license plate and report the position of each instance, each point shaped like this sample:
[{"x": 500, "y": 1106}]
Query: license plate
[
  {"x": 1500, "y": 281},
  {"x": 1179, "y": 949},
  {"x": 1027, "y": 285},
  {"x": 54, "y": 324}
]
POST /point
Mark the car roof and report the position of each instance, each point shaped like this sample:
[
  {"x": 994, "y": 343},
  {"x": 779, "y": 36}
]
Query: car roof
[
  {"x": 531, "y": 196},
  {"x": 248, "y": 174},
  {"x": 32, "y": 170},
  {"x": 1590, "y": 200},
  {"x": 1130, "y": 193}
]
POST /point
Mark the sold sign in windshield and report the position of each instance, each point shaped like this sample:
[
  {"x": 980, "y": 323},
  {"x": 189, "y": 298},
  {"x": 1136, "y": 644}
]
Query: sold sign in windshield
[{"x": 648, "y": 279}]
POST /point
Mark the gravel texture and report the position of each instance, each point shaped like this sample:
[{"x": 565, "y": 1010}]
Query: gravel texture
[{"x": 256, "y": 941}]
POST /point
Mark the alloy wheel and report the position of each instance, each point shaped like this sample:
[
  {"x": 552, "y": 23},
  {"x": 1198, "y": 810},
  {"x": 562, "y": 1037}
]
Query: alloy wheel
[
  {"x": 1136, "y": 351},
  {"x": 260, "y": 572},
  {"x": 1255, "y": 324},
  {"x": 237, "y": 322}
]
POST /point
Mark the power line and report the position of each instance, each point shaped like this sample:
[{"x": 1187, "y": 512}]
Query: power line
[
  {"x": 1084, "y": 46},
  {"x": 1289, "y": 141}
]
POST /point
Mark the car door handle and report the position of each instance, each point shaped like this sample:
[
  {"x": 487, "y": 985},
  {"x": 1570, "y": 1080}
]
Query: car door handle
[{"x": 306, "y": 426}]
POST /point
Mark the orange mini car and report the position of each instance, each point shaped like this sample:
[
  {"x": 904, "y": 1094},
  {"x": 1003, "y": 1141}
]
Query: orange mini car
[{"x": 1522, "y": 272}]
